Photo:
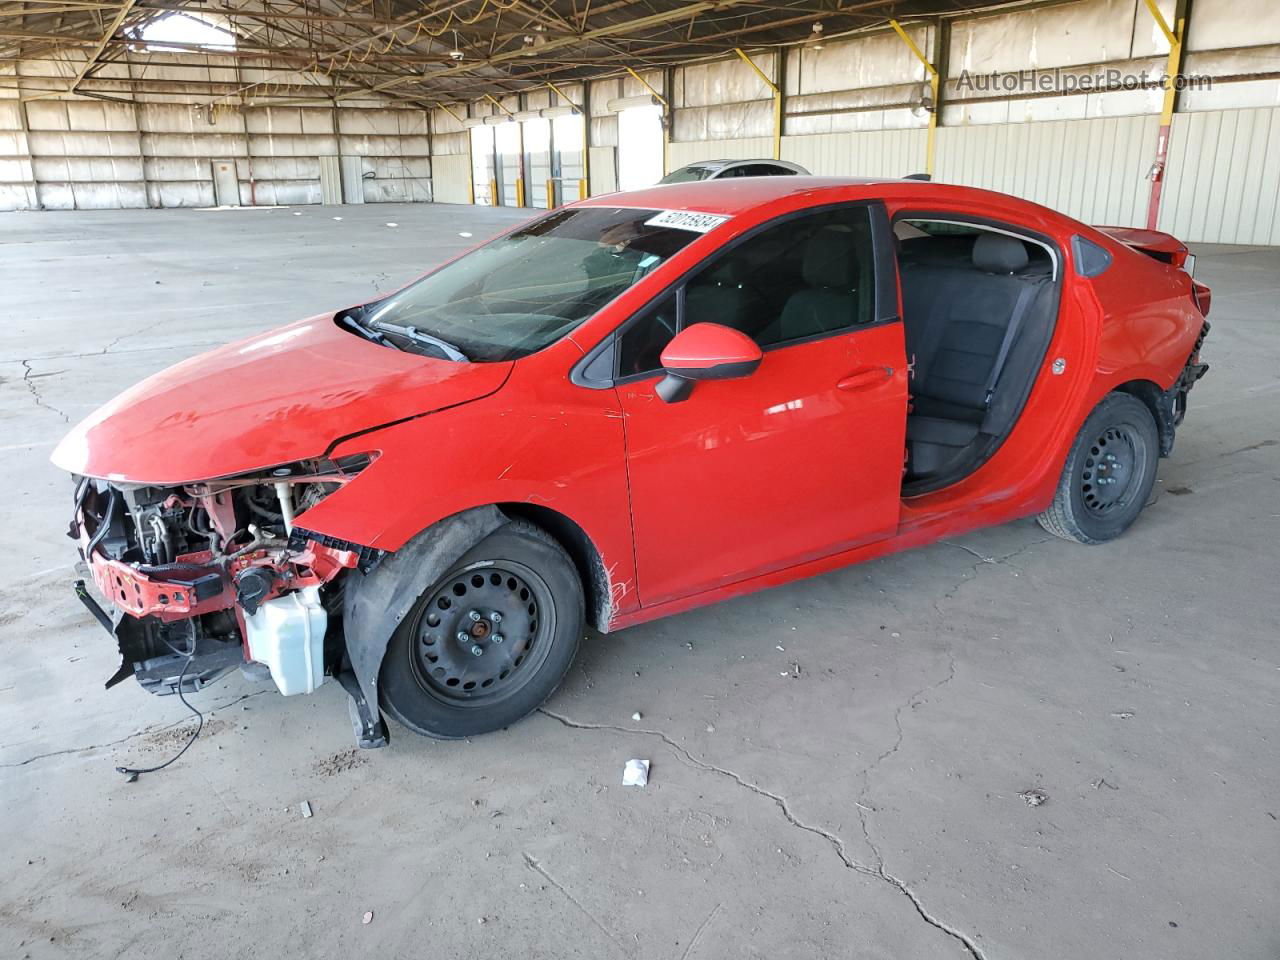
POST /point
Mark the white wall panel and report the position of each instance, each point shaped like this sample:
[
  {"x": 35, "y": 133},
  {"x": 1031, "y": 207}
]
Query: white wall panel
[
  {"x": 873, "y": 153},
  {"x": 745, "y": 148},
  {"x": 1224, "y": 177},
  {"x": 451, "y": 178},
  {"x": 604, "y": 170},
  {"x": 1093, "y": 170}
]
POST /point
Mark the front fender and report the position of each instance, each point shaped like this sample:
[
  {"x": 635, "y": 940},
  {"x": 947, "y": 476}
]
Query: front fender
[{"x": 375, "y": 603}]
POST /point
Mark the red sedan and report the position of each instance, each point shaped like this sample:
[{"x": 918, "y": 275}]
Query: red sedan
[{"x": 624, "y": 409}]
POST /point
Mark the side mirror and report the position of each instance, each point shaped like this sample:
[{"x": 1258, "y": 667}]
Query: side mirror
[{"x": 705, "y": 351}]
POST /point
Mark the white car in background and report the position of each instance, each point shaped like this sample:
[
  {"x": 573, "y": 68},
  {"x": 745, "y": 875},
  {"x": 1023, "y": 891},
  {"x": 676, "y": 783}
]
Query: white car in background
[{"x": 719, "y": 169}]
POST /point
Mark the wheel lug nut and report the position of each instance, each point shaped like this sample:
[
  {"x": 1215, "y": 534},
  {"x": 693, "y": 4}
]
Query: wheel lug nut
[
  {"x": 496, "y": 617},
  {"x": 474, "y": 615},
  {"x": 477, "y": 650},
  {"x": 463, "y": 636},
  {"x": 497, "y": 638}
]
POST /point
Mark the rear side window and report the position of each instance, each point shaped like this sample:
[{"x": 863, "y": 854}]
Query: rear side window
[{"x": 800, "y": 278}]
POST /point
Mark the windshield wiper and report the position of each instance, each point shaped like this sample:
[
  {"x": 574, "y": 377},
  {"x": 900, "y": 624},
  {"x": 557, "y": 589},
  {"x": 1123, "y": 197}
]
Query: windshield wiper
[{"x": 413, "y": 333}]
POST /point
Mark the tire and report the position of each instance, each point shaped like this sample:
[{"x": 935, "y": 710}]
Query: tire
[
  {"x": 433, "y": 683},
  {"x": 1109, "y": 473}
]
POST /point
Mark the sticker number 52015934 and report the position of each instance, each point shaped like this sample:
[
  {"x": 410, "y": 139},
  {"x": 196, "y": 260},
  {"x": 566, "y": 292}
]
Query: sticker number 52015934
[{"x": 686, "y": 220}]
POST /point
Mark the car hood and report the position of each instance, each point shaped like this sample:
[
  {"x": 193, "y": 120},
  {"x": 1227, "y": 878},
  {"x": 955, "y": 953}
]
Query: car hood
[{"x": 284, "y": 395}]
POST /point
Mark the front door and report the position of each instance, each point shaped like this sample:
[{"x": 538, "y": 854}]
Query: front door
[{"x": 800, "y": 459}]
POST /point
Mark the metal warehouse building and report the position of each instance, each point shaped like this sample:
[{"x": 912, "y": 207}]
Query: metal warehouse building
[
  {"x": 639, "y": 479},
  {"x": 1059, "y": 102}
]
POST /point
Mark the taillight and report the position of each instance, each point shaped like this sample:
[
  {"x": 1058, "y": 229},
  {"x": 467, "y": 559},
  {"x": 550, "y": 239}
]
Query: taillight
[{"x": 1200, "y": 293}]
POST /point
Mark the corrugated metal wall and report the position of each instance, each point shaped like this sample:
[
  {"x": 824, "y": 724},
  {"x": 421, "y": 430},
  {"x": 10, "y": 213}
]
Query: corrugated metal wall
[
  {"x": 875, "y": 153},
  {"x": 1224, "y": 177},
  {"x": 744, "y": 148},
  {"x": 1093, "y": 170},
  {"x": 854, "y": 106},
  {"x": 93, "y": 154},
  {"x": 1224, "y": 166}
]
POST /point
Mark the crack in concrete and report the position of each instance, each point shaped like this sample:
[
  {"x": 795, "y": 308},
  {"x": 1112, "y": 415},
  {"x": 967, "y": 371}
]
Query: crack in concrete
[
  {"x": 86, "y": 354},
  {"x": 27, "y": 374},
  {"x": 537, "y": 868},
  {"x": 697, "y": 934},
  {"x": 836, "y": 843},
  {"x": 133, "y": 736},
  {"x": 972, "y": 574},
  {"x": 910, "y": 703}
]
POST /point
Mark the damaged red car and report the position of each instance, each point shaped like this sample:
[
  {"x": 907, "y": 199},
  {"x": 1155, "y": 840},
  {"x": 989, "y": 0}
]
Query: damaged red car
[{"x": 626, "y": 408}]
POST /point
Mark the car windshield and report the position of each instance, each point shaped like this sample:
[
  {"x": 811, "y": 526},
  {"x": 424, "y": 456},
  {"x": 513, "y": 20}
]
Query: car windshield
[
  {"x": 523, "y": 291},
  {"x": 694, "y": 171}
]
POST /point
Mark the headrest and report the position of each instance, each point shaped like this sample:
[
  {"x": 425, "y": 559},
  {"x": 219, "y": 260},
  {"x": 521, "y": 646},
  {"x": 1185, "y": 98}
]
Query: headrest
[
  {"x": 730, "y": 271},
  {"x": 831, "y": 260},
  {"x": 997, "y": 253}
]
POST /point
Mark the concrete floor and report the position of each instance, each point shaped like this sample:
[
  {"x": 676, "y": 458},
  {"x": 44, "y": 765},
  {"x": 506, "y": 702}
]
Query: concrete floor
[{"x": 868, "y": 807}]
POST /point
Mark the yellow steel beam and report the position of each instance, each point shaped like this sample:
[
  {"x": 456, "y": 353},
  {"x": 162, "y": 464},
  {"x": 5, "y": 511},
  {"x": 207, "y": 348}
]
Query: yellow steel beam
[
  {"x": 897, "y": 28},
  {"x": 654, "y": 93},
  {"x": 666, "y": 119},
  {"x": 1172, "y": 68},
  {"x": 1163, "y": 24},
  {"x": 563, "y": 96},
  {"x": 492, "y": 99},
  {"x": 447, "y": 110},
  {"x": 934, "y": 83},
  {"x": 586, "y": 162},
  {"x": 777, "y": 101}
]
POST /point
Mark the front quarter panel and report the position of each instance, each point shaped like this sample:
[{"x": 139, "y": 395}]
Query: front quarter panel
[{"x": 538, "y": 440}]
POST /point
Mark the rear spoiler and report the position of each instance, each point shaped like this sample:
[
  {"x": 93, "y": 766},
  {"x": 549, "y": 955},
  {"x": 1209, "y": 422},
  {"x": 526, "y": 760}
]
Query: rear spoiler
[{"x": 1156, "y": 245}]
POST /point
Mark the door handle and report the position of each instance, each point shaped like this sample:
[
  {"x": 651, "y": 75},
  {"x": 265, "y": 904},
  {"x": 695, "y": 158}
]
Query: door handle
[{"x": 867, "y": 377}]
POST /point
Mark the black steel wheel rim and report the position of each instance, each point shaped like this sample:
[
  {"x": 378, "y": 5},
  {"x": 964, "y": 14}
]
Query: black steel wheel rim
[
  {"x": 1110, "y": 474},
  {"x": 483, "y": 633}
]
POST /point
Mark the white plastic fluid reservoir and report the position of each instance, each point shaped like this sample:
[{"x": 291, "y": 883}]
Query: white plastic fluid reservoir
[{"x": 287, "y": 634}]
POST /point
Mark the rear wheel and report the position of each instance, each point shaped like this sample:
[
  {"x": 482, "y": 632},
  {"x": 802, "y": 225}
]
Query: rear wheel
[
  {"x": 488, "y": 643},
  {"x": 1109, "y": 474}
]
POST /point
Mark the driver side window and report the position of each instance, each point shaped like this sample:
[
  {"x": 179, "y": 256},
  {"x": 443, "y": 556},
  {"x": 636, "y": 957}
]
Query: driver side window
[{"x": 804, "y": 277}]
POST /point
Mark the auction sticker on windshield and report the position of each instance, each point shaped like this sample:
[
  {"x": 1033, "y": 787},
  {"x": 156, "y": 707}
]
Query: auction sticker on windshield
[{"x": 686, "y": 220}]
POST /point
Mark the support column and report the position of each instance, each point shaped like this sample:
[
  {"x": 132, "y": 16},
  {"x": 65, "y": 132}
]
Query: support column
[
  {"x": 1171, "y": 71},
  {"x": 776, "y": 88},
  {"x": 668, "y": 118},
  {"x": 934, "y": 87},
  {"x": 584, "y": 188},
  {"x": 31, "y": 153}
]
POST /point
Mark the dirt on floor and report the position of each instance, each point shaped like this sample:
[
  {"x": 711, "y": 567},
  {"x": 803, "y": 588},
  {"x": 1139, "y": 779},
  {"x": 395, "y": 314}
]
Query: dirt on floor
[{"x": 1003, "y": 746}]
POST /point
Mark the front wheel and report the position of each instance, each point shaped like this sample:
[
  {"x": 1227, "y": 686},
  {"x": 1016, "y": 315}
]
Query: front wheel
[
  {"x": 1109, "y": 473},
  {"x": 488, "y": 643}
]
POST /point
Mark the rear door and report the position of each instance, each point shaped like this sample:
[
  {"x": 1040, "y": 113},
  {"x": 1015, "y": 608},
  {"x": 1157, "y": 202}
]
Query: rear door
[{"x": 801, "y": 459}]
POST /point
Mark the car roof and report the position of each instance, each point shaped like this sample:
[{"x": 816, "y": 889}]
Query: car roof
[{"x": 737, "y": 194}]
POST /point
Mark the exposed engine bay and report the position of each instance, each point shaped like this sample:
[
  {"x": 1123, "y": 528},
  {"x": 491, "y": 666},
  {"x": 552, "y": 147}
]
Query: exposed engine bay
[{"x": 209, "y": 576}]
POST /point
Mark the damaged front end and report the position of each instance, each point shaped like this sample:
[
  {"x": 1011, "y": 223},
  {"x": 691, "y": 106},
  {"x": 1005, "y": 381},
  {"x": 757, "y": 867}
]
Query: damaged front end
[{"x": 205, "y": 577}]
